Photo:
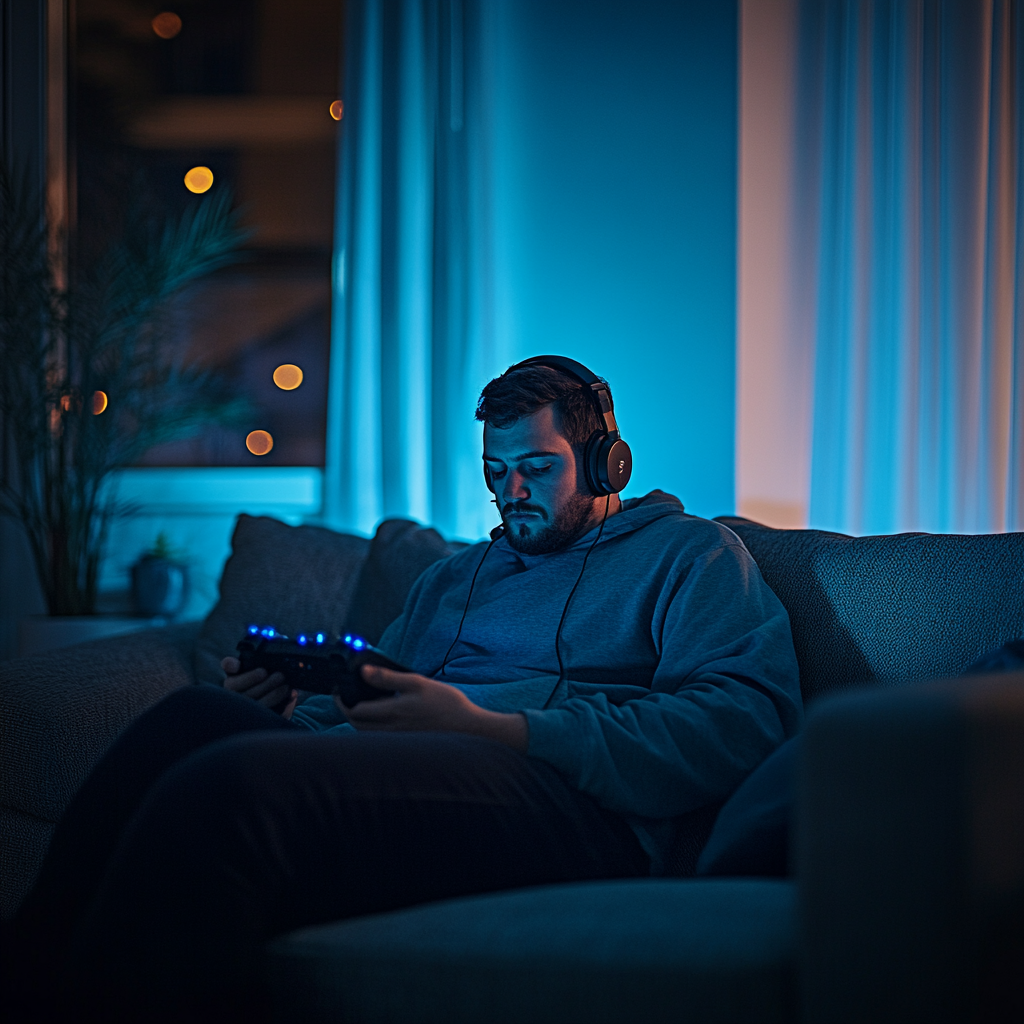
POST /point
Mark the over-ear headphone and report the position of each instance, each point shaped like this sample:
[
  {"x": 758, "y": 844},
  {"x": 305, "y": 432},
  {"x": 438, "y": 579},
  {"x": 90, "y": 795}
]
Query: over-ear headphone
[{"x": 607, "y": 460}]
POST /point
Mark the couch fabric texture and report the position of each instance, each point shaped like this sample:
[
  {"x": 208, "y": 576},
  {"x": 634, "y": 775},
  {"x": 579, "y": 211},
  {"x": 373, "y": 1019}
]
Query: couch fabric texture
[{"x": 889, "y": 609}]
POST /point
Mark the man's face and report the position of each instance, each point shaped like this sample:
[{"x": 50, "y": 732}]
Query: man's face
[{"x": 538, "y": 483}]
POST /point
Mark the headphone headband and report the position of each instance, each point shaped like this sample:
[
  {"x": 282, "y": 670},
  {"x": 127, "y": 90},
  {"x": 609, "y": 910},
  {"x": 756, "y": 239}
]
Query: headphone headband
[
  {"x": 607, "y": 460},
  {"x": 597, "y": 388}
]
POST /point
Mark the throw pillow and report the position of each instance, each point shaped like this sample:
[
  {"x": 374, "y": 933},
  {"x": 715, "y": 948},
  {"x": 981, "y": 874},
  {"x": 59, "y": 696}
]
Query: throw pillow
[
  {"x": 1008, "y": 658},
  {"x": 751, "y": 833},
  {"x": 399, "y": 552},
  {"x": 291, "y": 577}
]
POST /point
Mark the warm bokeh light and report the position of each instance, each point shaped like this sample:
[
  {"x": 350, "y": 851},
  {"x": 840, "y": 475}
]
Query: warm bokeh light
[
  {"x": 99, "y": 402},
  {"x": 288, "y": 376},
  {"x": 259, "y": 442},
  {"x": 166, "y": 25},
  {"x": 199, "y": 179},
  {"x": 337, "y": 109}
]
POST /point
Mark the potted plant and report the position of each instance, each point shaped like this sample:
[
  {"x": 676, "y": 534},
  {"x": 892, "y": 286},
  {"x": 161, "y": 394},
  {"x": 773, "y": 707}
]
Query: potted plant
[
  {"x": 89, "y": 378},
  {"x": 160, "y": 580}
]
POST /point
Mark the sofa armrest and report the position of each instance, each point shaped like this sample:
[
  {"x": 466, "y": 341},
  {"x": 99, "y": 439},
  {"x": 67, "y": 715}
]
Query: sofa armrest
[
  {"x": 910, "y": 853},
  {"x": 60, "y": 711}
]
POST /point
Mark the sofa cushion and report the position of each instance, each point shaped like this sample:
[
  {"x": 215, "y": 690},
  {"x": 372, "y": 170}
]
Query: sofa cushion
[
  {"x": 399, "y": 552},
  {"x": 291, "y": 577},
  {"x": 651, "y": 950},
  {"x": 889, "y": 609}
]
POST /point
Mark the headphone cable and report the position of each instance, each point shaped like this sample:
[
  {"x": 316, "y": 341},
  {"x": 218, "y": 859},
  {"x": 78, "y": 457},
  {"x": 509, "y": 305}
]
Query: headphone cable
[
  {"x": 469, "y": 597},
  {"x": 568, "y": 601},
  {"x": 565, "y": 608}
]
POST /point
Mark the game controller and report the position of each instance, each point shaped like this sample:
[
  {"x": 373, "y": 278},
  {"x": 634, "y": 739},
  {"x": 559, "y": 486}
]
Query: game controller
[{"x": 314, "y": 663}]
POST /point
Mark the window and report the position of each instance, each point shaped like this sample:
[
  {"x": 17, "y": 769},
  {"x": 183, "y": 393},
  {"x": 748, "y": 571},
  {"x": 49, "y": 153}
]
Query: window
[{"x": 244, "y": 90}]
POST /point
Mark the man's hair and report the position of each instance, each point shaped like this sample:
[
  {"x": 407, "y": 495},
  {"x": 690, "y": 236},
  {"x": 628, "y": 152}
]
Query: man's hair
[{"x": 519, "y": 393}]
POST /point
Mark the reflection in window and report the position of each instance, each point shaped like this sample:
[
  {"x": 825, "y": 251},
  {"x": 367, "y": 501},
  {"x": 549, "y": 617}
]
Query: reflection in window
[{"x": 225, "y": 94}]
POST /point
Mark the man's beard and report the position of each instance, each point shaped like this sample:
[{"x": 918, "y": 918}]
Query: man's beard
[{"x": 568, "y": 526}]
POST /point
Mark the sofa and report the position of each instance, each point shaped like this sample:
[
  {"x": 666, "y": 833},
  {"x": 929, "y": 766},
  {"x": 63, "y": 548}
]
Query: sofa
[{"x": 905, "y": 895}]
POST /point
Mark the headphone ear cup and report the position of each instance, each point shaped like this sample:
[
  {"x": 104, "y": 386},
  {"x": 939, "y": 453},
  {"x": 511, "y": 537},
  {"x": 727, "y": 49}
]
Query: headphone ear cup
[
  {"x": 611, "y": 465},
  {"x": 591, "y": 457},
  {"x": 616, "y": 465}
]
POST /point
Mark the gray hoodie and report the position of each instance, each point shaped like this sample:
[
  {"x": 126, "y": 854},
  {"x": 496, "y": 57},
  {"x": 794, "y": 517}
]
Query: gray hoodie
[{"x": 679, "y": 670}]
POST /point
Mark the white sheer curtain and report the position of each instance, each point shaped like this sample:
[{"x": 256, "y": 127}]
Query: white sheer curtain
[
  {"x": 910, "y": 235},
  {"x": 410, "y": 348}
]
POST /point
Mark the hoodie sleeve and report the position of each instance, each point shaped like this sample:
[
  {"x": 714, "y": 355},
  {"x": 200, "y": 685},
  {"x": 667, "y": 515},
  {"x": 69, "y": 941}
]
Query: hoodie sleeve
[{"x": 725, "y": 694}]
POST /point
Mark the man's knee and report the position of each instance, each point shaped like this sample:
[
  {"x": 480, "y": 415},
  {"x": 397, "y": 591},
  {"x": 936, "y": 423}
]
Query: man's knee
[
  {"x": 199, "y": 695},
  {"x": 221, "y": 710}
]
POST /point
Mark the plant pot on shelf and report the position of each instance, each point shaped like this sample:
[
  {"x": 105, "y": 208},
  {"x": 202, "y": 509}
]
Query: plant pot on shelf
[{"x": 159, "y": 586}]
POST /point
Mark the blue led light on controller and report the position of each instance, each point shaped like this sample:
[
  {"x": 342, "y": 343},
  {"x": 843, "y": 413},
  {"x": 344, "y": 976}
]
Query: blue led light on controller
[
  {"x": 302, "y": 639},
  {"x": 355, "y": 641}
]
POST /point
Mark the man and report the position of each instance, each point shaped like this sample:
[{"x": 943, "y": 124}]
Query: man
[{"x": 596, "y": 672}]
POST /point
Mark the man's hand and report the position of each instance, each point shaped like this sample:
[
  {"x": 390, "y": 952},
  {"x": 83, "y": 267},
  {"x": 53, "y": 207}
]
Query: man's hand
[
  {"x": 425, "y": 705},
  {"x": 258, "y": 686}
]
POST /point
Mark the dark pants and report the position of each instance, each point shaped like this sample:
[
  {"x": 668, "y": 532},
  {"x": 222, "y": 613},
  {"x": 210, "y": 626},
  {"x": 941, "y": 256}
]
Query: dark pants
[{"x": 212, "y": 825}]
